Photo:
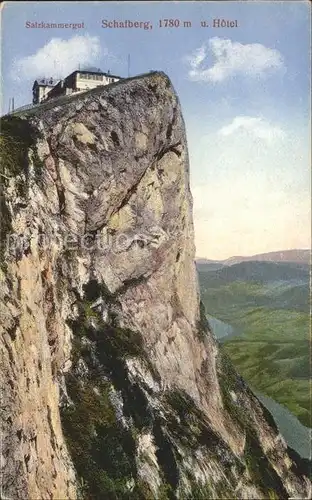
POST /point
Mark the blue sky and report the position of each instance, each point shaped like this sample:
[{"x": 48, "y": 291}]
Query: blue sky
[{"x": 244, "y": 93}]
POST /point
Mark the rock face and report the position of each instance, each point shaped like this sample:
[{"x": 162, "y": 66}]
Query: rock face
[{"x": 112, "y": 383}]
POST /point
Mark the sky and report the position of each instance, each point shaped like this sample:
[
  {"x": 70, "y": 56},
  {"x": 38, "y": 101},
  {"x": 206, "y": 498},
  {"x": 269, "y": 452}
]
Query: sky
[{"x": 244, "y": 92}]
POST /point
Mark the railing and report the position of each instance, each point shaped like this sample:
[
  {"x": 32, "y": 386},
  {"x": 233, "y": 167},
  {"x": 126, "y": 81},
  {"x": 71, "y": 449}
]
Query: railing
[
  {"x": 23, "y": 108},
  {"x": 54, "y": 98}
]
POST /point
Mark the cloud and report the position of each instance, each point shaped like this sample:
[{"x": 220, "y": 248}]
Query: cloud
[
  {"x": 58, "y": 58},
  {"x": 250, "y": 195},
  {"x": 253, "y": 126},
  {"x": 232, "y": 59}
]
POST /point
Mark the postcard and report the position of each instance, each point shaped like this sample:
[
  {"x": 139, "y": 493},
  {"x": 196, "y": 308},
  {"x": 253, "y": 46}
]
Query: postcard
[{"x": 155, "y": 250}]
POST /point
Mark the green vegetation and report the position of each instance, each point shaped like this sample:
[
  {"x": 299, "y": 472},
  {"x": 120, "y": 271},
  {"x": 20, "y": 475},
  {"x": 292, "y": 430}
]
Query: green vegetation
[
  {"x": 202, "y": 323},
  {"x": 273, "y": 495},
  {"x": 230, "y": 382},
  {"x": 271, "y": 314},
  {"x": 190, "y": 419},
  {"x": 261, "y": 471},
  {"x": 272, "y": 355},
  {"x": 17, "y": 138},
  {"x": 199, "y": 492},
  {"x": 254, "y": 272},
  {"x": 189, "y": 427},
  {"x": 220, "y": 490},
  {"x": 5, "y": 225},
  {"x": 103, "y": 450}
]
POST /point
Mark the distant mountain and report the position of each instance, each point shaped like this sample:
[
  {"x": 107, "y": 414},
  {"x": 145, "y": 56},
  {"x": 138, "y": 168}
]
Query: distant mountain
[
  {"x": 261, "y": 272},
  {"x": 208, "y": 265},
  {"x": 300, "y": 256},
  {"x": 200, "y": 260},
  {"x": 296, "y": 255}
]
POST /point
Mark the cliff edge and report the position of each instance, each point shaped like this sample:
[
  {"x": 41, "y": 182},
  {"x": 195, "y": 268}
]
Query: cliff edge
[{"x": 112, "y": 383}]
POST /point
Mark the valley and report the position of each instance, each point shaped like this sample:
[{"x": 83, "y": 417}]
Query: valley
[{"x": 259, "y": 311}]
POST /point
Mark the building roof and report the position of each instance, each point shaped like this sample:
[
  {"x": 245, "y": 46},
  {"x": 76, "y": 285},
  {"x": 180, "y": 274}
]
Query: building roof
[
  {"x": 94, "y": 73},
  {"x": 45, "y": 82},
  {"x": 50, "y": 82}
]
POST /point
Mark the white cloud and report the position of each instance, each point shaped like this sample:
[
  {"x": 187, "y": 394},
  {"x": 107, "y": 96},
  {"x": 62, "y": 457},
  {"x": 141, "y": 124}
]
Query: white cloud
[
  {"x": 250, "y": 195},
  {"x": 257, "y": 127},
  {"x": 232, "y": 59},
  {"x": 58, "y": 58}
]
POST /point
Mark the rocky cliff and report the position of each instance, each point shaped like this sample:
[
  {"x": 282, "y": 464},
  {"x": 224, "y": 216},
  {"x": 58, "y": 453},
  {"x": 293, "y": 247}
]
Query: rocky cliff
[{"x": 113, "y": 386}]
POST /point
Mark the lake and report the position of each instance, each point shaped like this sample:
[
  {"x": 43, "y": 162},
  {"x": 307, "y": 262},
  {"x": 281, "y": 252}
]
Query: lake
[
  {"x": 221, "y": 329},
  {"x": 296, "y": 435}
]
